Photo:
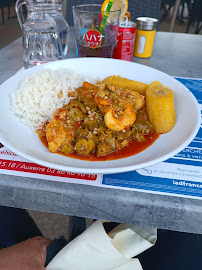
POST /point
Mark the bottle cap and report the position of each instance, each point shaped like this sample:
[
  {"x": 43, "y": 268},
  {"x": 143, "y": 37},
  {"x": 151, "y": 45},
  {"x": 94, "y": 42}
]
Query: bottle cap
[{"x": 146, "y": 23}]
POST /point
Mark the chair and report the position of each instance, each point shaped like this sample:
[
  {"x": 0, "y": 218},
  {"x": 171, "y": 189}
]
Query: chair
[
  {"x": 137, "y": 8},
  {"x": 10, "y": 2},
  {"x": 3, "y": 4},
  {"x": 168, "y": 5},
  {"x": 195, "y": 16}
]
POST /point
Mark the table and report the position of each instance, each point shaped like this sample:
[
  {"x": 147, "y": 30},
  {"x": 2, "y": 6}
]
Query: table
[{"x": 175, "y": 54}]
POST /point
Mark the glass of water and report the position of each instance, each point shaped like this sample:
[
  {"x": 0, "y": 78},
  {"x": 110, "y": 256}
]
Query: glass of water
[{"x": 41, "y": 44}]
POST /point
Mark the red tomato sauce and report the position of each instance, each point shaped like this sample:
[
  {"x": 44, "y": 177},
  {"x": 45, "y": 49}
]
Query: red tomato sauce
[{"x": 133, "y": 148}]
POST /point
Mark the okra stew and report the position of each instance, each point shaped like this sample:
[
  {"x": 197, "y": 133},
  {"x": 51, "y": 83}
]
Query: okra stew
[{"x": 101, "y": 122}]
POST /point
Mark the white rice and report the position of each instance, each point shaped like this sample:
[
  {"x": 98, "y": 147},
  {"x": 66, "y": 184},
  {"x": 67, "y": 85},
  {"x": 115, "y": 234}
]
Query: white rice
[{"x": 39, "y": 95}]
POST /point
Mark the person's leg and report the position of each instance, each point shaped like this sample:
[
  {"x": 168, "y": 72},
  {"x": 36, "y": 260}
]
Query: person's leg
[
  {"x": 174, "y": 250},
  {"x": 77, "y": 225},
  {"x": 16, "y": 225}
]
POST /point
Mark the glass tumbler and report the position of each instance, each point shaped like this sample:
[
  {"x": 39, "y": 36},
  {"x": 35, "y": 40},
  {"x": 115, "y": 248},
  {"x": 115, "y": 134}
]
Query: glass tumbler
[
  {"x": 40, "y": 44},
  {"x": 96, "y": 31}
]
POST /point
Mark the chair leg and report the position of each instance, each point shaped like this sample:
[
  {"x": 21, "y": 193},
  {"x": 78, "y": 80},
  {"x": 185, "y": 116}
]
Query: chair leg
[
  {"x": 189, "y": 3},
  {"x": 197, "y": 27},
  {"x": 188, "y": 26},
  {"x": 9, "y": 12},
  {"x": 183, "y": 3},
  {"x": 2, "y": 13}
]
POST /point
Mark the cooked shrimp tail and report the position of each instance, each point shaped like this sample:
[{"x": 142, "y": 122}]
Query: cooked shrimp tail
[{"x": 119, "y": 123}]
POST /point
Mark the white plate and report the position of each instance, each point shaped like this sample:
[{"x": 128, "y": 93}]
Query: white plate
[{"x": 24, "y": 142}]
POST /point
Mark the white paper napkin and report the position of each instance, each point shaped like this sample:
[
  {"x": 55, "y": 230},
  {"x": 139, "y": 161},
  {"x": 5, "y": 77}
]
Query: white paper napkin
[
  {"x": 131, "y": 240},
  {"x": 94, "y": 249}
]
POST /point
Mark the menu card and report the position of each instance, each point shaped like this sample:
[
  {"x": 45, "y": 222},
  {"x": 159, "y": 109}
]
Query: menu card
[{"x": 180, "y": 175}]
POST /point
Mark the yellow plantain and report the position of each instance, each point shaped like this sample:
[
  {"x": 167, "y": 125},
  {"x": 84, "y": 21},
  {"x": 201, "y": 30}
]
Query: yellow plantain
[
  {"x": 126, "y": 84},
  {"x": 160, "y": 107}
]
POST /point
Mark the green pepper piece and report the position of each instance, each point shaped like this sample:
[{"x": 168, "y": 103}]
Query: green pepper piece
[{"x": 67, "y": 149}]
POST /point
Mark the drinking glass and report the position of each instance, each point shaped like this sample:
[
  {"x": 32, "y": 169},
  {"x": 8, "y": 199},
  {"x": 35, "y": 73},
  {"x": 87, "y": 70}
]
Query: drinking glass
[{"x": 96, "y": 31}]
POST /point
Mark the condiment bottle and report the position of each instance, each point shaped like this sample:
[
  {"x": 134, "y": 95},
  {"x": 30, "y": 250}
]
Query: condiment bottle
[{"x": 146, "y": 29}]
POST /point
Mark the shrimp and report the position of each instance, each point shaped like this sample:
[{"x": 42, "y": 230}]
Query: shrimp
[
  {"x": 115, "y": 123},
  {"x": 102, "y": 97},
  {"x": 56, "y": 133},
  {"x": 136, "y": 100}
]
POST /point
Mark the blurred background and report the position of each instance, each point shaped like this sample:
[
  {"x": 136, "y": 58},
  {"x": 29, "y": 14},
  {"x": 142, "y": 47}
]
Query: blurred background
[
  {"x": 181, "y": 16},
  {"x": 186, "y": 18}
]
